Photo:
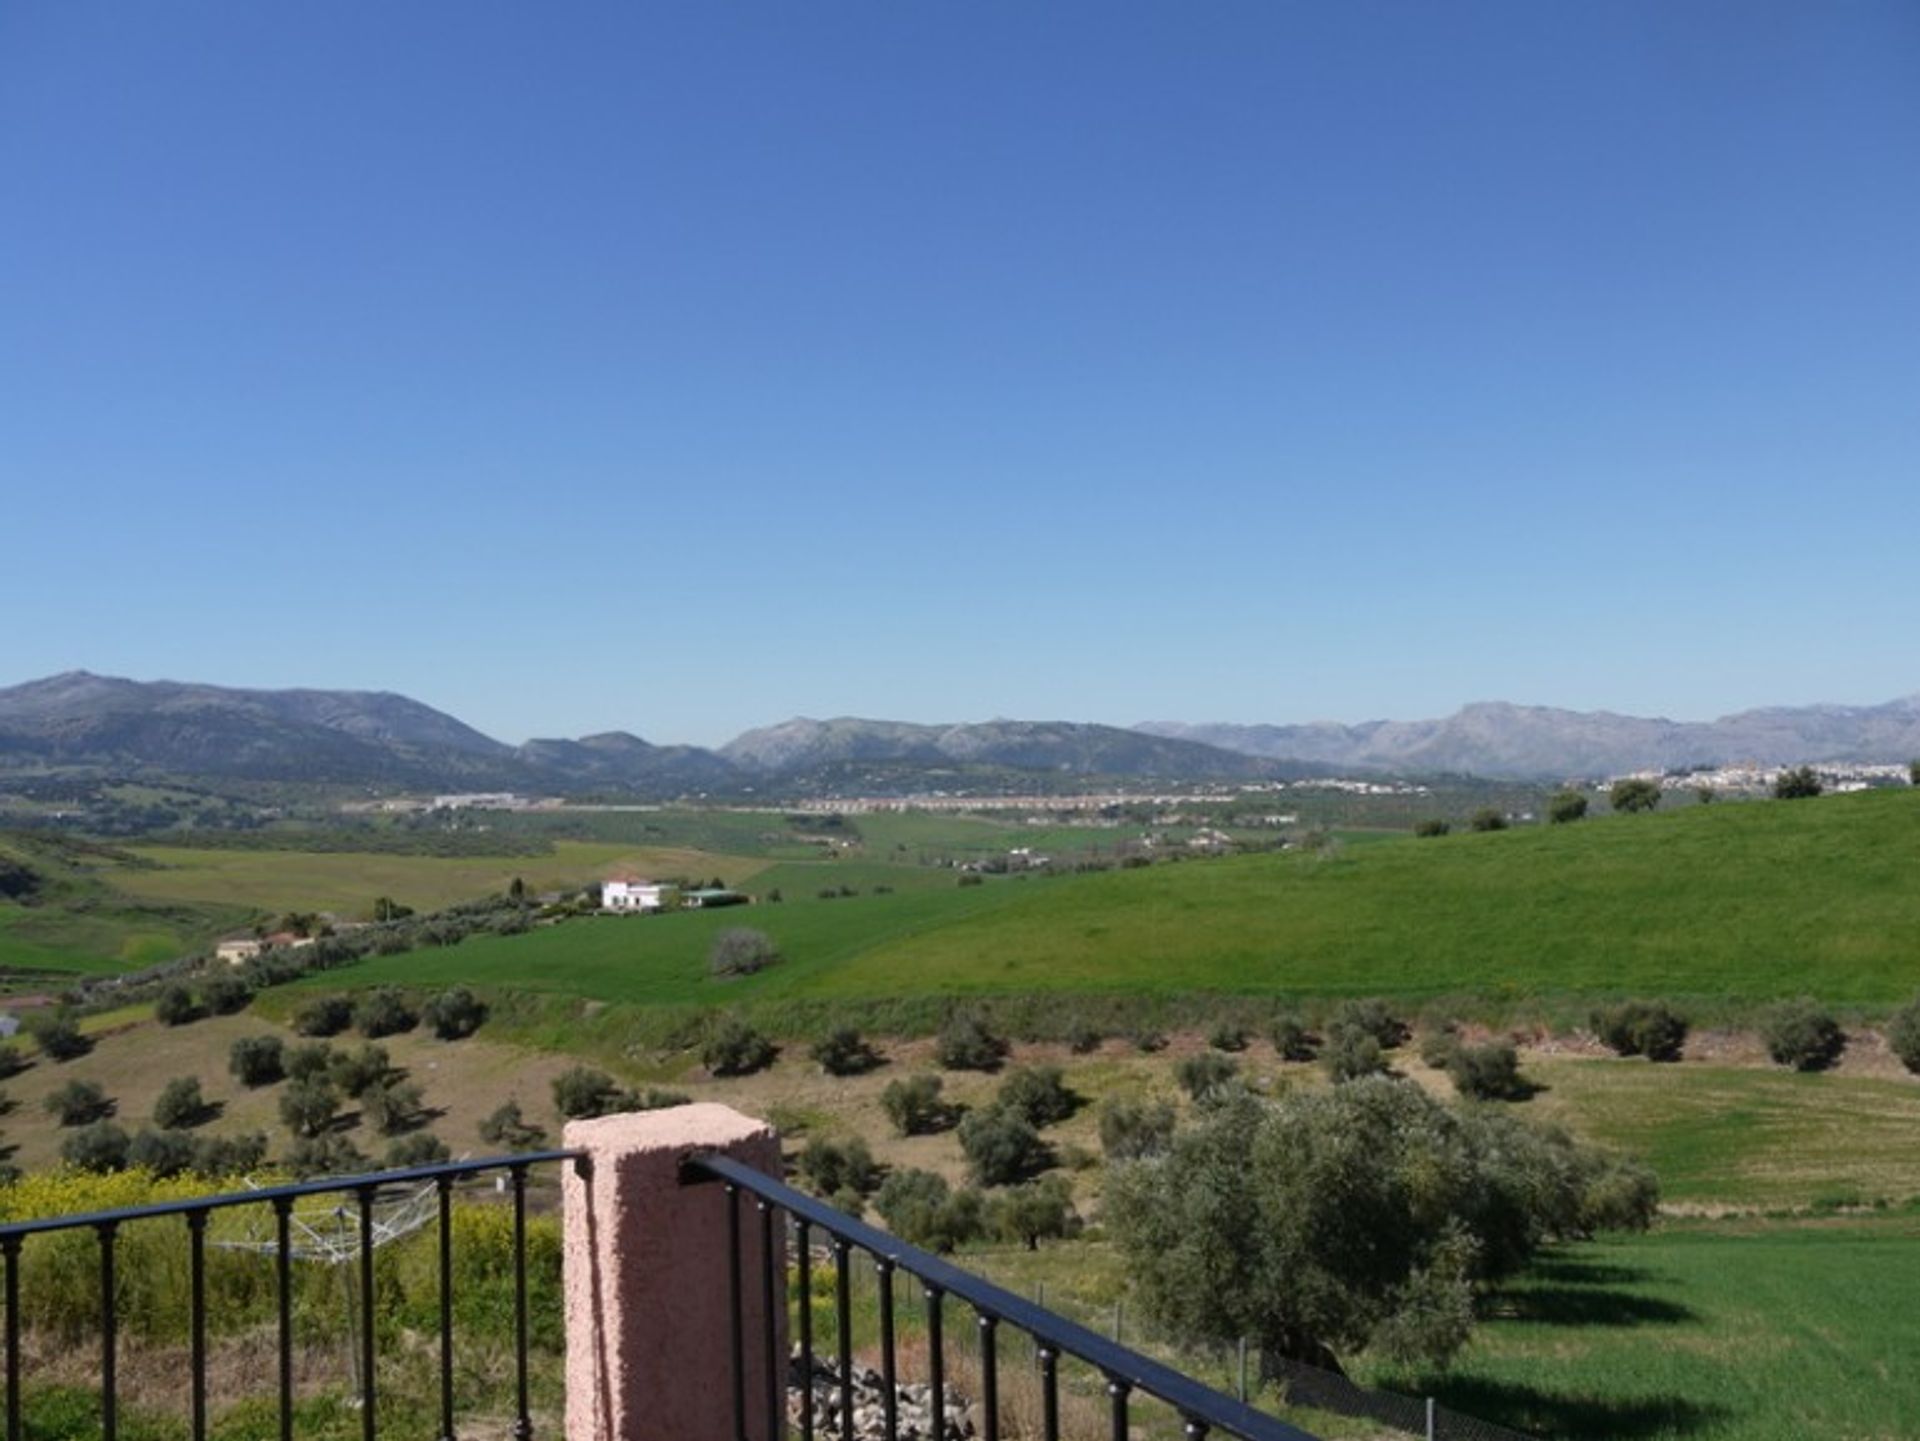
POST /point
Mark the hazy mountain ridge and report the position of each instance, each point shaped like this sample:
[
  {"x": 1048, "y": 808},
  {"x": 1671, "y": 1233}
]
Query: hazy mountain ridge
[{"x": 1498, "y": 739}]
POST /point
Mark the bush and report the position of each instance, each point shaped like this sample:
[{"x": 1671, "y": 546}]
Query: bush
[
  {"x": 331, "y": 1154},
  {"x": 455, "y": 1014},
  {"x": 1375, "y": 1018},
  {"x": 308, "y": 1061},
  {"x": 1802, "y": 1035},
  {"x": 1566, "y": 806},
  {"x": 422, "y": 1148},
  {"x": 737, "y": 1049},
  {"x": 391, "y": 1108},
  {"x": 78, "y": 1103},
  {"x": 1488, "y": 818},
  {"x": 740, "y": 951},
  {"x": 1634, "y": 794},
  {"x": 1796, "y": 785},
  {"x": 180, "y": 1106},
  {"x": 226, "y": 995},
  {"x": 1084, "y": 1038},
  {"x": 256, "y": 1060},
  {"x": 384, "y": 1012},
  {"x": 1148, "y": 1041},
  {"x": 830, "y": 1167},
  {"x": 165, "y": 1153},
  {"x": 1351, "y": 1053},
  {"x": 12, "y": 1063},
  {"x": 1903, "y": 1033},
  {"x": 219, "y": 1156},
  {"x": 914, "y": 1106},
  {"x": 1489, "y": 1072},
  {"x": 1131, "y": 1130},
  {"x": 1292, "y": 1041},
  {"x": 1431, "y": 827},
  {"x": 582, "y": 1092},
  {"x": 174, "y": 1006},
  {"x": 355, "y": 1072},
  {"x": 1037, "y": 1211},
  {"x": 507, "y": 1128},
  {"x": 1038, "y": 1094},
  {"x": 842, "y": 1052},
  {"x": 59, "y": 1037},
  {"x": 922, "y": 1210},
  {"x": 1199, "y": 1076},
  {"x": 1228, "y": 1037},
  {"x": 102, "y": 1146},
  {"x": 1642, "y": 1028},
  {"x": 1001, "y": 1147},
  {"x": 324, "y": 1016},
  {"x": 965, "y": 1044},
  {"x": 308, "y": 1107}
]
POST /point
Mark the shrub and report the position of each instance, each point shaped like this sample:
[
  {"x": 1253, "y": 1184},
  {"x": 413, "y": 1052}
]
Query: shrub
[
  {"x": 1634, "y": 794},
  {"x": 180, "y": 1106},
  {"x": 455, "y": 1014},
  {"x": 354, "y": 1072},
  {"x": 740, "y": 951},
  {"x": 391, "y": 1107},
  {"x": 831, "y": 1167},
  {"x": 422, "y": 1148},
  {"x": 1797, "y": 784},
  {"x": 164, "y": 1153},
  {"x": 1489, "y": 1072},
  {"x": 1199, "y": 1076},
  {"x": 226, "y": 995},
  {"x": 966, "y": 1044},
  {"x": 582, "y": 1092},
  {"x": 1903, "y": 1033},
  {"x": 217, "y": 1156},
  {"x": 308, "y": 1061},
  {"x": 1084, "y": 1038},
  {"x": 102, "y": 1146},
  {"x": 1802, "y": 1035},
  {"x": 1001, "y": 1147},
  {"x": 506, "y": 1127},
  {"x": 78, "y": 1103},
  {"x": 1488, "y": 818},
  {"x": 1350, "y": 1053},
  {"x": 914, "y": 1106},
  {"x": 256, "y": 1060},
  {"x": 1565, "y": 806},
  {"x": 384, "y": 1012},
  {"x": 59, "y": 1037},
  {"x": 1131, "y": 1130},
  {"x": 1039, "y": 1094},
  {"x": 737, "y": 1049},
  {"x": 174, "y": 1006},
  {"x": 922, "y": 1210},
  {"x": 324, "y": 1016},
  {"x": 1642, "y": 1028},
  {"x": 1375, "y": 1018},
  {"x": 1228, "y": 1037},
  {"x": 331, "y": 1154},
  {"x": 842, "y": 1052},
  {"x": 308, "y": 1107},
  {"x": 1037, "y": 1211},
  {"x": 1149, "y": 1041},
  {"x": 1432, "y": 826},
  {"x": 12, "y": 1063}
]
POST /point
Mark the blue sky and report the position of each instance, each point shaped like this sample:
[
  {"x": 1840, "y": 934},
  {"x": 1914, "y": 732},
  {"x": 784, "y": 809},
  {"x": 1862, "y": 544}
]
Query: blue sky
[{"x": 682, "y": 368}]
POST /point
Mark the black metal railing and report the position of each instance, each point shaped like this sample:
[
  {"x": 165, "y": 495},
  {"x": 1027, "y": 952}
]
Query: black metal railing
[
  {"x": 197, "y": 1211},
  {"x": 1125, "y": 1373}
]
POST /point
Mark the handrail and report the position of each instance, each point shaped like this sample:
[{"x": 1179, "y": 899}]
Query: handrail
[{"x": 1201, "y": 1407}]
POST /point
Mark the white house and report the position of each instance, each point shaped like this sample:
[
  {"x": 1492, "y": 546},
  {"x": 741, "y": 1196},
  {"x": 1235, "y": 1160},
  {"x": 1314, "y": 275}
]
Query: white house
[
  {"x": 237, "y": 950},
  {"x": 638, "y": 896}
]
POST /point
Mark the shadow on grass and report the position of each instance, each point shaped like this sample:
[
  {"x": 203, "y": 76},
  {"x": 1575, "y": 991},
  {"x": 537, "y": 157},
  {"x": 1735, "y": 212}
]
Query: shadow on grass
[
  {"x": 1584, "y": 1306},
  {"x": 1575, "y": 1418},
  {"x": 1571, "y": 1271}
]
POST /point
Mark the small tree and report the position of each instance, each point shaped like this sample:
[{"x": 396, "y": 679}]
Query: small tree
[
  {"x": 740, "y": 951},
  {"x": 78, "y": 1103},
  {"x": 832, "y": 1167},
  {"x": 308, "y": 1061},
  {"x": 1039, "y": 1094},
  {"x": 1802, "y": 1035},
  {"x": 422, "y": 1148},
  {"x": 384, "y": 1012},
  {"x": 308, "y": 1107},
  {"x": 842, "y": 1052},
  {"x": 507, "y": 1128},
  {"x": 1431, "y": 827},
  {"x": 102, "y": 1146},
  {"x": 1037, "y": 1211},
  {"x": 58, "y": 1037},
  {"x": 1566, "y": 806},
  {"x": 1130, "y": 1130},
  {"x": 164, "y": 1153},
  {"x": 1488, "y": 818},
  {"x": 582, "y": 1092},
  {"x": 1903, "y": 1034},
  {"x": 914, "y": 1106},
  {"x": 1642, "y": 1028},
  {"x": 323, "y": 1016},
  {"x": 455, "y": 1014},
  {"x": 174, "y": 1006},
  {"x": 1635, "y": 793},
  {"x": 1351, "y": 1053},
  {"x": 1489, "y": 1072},
  {"x": 354, "y": 1072},
  {"x": 180, "y": 1106},
  {"x": 1377, "y": 1019},
  {"x": 391, "y": 1108},
  {"x": 218, "y": 1156},
  {"x": 1797, "y": 784},
  {"x": 922, "y": 1210},
  {"x": 330, "y": 1154},
  {"x": 226, "y": 995},
  {"x": 966, "y": 1044},
  {"x": 1292, "y": 1041},
  {"x": 1001, "y": 1147},
  {"x": 256, "y": 1060},
  {"x": 737, "y": 1049},
  {"x": 1203, "y": 1074}
]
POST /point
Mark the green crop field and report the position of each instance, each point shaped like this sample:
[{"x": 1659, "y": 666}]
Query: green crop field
[{"x": 1719, "y": 907}]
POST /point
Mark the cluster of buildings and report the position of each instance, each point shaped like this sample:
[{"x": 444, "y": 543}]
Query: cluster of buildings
[{"x": 631, "y": 895}]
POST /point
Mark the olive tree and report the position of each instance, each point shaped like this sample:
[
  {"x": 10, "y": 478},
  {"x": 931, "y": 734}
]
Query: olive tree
[{"x": 1635, "y": 793}]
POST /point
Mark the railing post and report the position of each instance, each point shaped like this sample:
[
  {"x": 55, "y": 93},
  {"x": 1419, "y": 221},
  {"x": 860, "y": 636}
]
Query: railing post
[{"x": 649, "y": 1324}]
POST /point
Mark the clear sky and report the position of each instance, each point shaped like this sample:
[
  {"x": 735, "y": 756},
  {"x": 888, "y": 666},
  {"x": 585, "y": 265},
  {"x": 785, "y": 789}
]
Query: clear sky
[{"x": 679, "y": 368}]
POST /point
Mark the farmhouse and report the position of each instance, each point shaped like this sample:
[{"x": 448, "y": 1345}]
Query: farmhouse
[
  {"x": 237, "y": 950},
  {"x": 638, "y": 895}
]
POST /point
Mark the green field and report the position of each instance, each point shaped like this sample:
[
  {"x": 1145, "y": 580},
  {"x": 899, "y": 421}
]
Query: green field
[{"x": 1718, "y": 907}]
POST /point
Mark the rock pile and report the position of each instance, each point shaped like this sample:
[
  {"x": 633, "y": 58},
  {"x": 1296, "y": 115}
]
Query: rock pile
[{"x": 913, "y": 1403}]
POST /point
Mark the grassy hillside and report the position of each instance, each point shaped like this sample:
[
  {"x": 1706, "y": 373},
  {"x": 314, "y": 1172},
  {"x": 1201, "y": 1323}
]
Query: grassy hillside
[{"x": 1721, "y": 905}]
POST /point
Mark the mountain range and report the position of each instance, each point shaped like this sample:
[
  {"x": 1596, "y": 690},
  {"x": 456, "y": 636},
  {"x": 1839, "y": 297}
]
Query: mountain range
[{"x": 382, "y": 740}]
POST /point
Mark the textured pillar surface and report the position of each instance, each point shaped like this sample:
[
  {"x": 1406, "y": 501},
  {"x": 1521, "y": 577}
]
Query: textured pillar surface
[{"x": 649, "y": 1350}]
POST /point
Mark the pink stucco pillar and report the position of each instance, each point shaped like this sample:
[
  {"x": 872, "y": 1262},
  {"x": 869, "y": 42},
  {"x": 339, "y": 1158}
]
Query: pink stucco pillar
[{"x": 649, "y": 1351}]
